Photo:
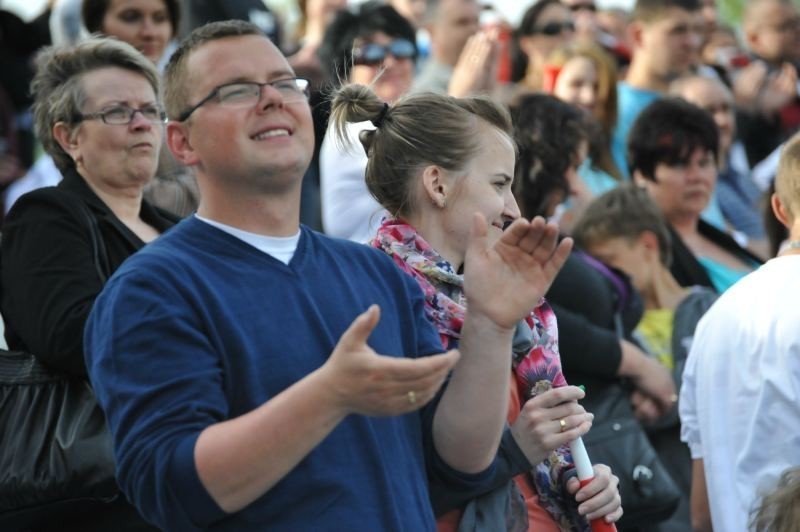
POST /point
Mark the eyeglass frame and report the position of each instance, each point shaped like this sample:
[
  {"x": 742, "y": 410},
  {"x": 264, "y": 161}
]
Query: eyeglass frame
[
  {"x": 387, "y": 49},
  {"x": 101, "y": 114},
  {"x": 306, "y": 91},
  {"x": 542, "y": 30}
]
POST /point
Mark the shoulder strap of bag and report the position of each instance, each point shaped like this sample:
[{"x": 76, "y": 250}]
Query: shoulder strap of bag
[{"x": 621, "y": 289}]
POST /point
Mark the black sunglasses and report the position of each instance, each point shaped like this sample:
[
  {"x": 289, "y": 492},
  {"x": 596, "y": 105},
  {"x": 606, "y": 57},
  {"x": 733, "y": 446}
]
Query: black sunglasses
[
  {"x": 372, "y": 54},
  {"x": 554, "y": 28}
]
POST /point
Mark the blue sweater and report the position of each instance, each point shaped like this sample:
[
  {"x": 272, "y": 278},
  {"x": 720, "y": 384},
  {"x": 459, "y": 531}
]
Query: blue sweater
[{"x": 200, "y": 327}]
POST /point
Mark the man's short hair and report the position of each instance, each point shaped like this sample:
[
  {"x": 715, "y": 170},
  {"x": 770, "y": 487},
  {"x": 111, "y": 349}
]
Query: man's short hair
[
  {"x": 176, "y": 93},
  {"x": 787, "y": 179},
  {"x": 667, "y": 132},
  {"x": 624, "y": 212},
  {"x": 679, "y": 86},
  {"x": 652, "y": 10}
]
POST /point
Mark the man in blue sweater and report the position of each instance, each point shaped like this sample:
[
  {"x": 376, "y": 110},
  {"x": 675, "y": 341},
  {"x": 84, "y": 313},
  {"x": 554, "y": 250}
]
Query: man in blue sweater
[{"x": 259, "y": 376}]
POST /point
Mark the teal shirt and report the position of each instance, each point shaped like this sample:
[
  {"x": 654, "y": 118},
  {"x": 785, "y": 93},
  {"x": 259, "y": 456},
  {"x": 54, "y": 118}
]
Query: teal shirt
[
  {"x": 722, "y": 277},
  {"x": 630, "y": 102},
  {"x": 597, "y": 180}
]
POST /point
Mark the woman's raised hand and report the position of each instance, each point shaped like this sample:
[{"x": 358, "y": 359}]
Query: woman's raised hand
[{"x": 504, "y": 281}]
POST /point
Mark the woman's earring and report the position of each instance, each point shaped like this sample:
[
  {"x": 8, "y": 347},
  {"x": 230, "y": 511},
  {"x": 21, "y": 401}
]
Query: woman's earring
[{"x": 442, "y": 203}]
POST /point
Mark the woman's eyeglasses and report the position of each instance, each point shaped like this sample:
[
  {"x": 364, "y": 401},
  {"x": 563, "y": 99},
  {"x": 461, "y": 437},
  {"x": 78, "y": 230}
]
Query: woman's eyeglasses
[
  {"x": 552, "y": 29},
  {"x": 373, "y": 54},
  {"x": 122, "y": 115}
]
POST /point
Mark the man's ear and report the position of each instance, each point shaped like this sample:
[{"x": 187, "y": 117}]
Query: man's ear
[
  {"x": 649, "y": 240},
  {"x": 751, "y": 39},
  {"x": 435, "y": 185},
  {"x": 635, "y": 31},
  {"x": 781, "y": 212},
  {"x": 178, "y": 143}
]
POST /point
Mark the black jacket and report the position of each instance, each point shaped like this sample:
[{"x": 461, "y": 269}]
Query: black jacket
[{"x": 48, "y": 281}]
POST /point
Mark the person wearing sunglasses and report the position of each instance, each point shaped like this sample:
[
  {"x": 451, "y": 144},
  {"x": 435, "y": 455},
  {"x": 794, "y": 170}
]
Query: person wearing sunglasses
[
  {"x": 97, "y": 113},
  {"x": 370, "y": 45},
  {"x": 545, "y": 26}
]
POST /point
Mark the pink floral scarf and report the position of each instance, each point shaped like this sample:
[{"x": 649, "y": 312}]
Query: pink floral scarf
[{"x": 537, "y": 366}]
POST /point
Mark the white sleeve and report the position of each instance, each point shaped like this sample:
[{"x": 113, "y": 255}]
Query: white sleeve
[
  {"x": 687, "y": 405},
  {"x": 348, "y": 209}
]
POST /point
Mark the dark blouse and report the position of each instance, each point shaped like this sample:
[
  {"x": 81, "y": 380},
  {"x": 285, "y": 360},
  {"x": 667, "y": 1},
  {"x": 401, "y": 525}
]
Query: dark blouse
[{"x": 48, "y": 281}]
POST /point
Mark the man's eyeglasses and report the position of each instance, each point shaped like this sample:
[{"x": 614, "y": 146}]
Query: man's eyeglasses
[
  {"x": 248, "y": 93},
  {"x": 373, "y": 54},
  {"x": 122, "y": 115},
  {"x": 552, "y": 29}
]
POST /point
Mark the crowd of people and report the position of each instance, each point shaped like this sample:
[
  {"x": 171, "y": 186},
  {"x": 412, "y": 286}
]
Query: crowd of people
[{"x": 356, "y": 257}]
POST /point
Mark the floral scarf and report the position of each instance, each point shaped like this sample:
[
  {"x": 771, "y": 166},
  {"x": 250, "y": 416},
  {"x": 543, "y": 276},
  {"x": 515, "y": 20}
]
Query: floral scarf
[{"x": 537, "y": 366}]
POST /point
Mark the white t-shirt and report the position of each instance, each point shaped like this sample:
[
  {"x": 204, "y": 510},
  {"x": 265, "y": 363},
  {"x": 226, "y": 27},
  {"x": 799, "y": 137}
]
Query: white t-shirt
[
  {"x": 281, "y": 248},
  {"x": 740, "y": 398},
  {"x": 348, "y": 209}
]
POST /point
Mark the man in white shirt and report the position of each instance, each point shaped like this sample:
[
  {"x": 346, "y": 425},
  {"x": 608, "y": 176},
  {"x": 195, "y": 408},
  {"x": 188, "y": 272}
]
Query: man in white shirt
[{"x": 740, "y": 404}]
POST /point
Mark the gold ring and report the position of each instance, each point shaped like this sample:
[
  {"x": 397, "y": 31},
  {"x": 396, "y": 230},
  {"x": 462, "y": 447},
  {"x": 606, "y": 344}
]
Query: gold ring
[
  {"x": 563, "y": 424},
  {"x": 412, "y": 397}
]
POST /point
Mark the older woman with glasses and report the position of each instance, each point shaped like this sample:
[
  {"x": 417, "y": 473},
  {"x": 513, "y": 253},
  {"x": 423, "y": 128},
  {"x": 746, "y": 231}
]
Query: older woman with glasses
[{"x": 97, "y": 113}]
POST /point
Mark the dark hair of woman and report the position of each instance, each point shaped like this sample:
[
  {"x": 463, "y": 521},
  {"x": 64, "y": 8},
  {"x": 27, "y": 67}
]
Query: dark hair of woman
[
  {"x": 668, "y": 131},
  {"x": 548, "y": 133}
]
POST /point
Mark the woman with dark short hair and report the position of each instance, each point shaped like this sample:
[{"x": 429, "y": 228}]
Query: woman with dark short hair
[{"x": 672, "y": 152}]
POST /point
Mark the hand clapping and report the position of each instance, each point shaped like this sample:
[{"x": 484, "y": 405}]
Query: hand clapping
[{"x": 504, "y": 281}]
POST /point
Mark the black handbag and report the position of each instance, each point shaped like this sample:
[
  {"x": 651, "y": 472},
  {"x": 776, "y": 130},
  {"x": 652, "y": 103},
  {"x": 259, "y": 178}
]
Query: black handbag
[
  {"x": 649, "y": 494},
  {"x": 56, "y": 455},
  {"x": 55, "y": 448}
]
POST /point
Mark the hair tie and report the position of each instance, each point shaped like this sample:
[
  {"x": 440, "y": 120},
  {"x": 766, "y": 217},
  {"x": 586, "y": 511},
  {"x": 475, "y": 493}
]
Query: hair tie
[{"x": 378, "y": 120}]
